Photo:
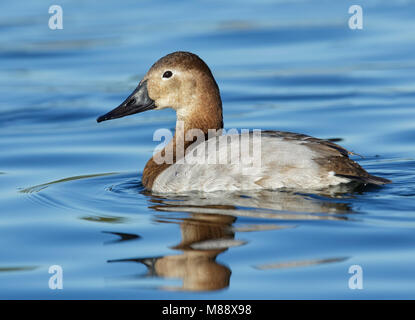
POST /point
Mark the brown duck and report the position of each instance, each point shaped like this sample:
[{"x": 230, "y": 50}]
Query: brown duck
[{"x": 201, "y": 158}]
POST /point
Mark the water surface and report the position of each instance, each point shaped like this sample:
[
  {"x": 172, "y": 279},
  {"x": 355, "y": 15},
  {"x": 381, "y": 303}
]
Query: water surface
[{"x": 70, "y": 188}]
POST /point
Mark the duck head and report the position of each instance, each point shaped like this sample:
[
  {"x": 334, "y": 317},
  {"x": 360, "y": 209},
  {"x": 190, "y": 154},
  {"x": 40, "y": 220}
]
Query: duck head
[{"x": 181, "y": 81}]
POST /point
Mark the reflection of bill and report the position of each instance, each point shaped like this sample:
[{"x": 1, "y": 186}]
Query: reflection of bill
[{"x": 204, "y": 237}]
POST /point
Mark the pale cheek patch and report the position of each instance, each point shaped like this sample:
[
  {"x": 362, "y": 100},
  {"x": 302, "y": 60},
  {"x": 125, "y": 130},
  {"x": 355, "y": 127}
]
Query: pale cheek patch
[
  {"x": 153, "y": 89},
  {"x": 163, "y": 103}
]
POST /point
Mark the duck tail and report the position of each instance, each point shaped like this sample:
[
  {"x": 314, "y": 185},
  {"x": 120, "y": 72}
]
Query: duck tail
[
  {"x": 369, "y": 179},
  {"x": 377, "y": 180}
]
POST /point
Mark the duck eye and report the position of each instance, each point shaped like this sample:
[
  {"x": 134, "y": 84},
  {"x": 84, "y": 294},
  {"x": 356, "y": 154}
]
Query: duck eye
[{"x": 167, "y": 74}]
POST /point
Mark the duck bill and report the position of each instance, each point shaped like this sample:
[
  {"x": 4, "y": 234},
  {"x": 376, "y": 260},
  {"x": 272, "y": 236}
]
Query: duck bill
[{"x": 137, "y": 102}]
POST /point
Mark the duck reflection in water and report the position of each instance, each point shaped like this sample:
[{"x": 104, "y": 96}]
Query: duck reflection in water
[
  {"x": 204, "y": 237},
  {"x": 208, "y": 231}
]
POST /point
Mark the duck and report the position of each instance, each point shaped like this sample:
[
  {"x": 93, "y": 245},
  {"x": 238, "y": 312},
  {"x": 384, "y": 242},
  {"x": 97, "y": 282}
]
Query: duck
[{"x": 183, "y": 81}]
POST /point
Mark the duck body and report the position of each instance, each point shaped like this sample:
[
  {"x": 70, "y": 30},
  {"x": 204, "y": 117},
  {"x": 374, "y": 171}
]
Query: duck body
[
  {"x": 182, "y": 81},
  {"x": 287, "y": 161}
]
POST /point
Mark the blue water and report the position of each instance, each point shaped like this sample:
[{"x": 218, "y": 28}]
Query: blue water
[{"x": 70, "y": 188}]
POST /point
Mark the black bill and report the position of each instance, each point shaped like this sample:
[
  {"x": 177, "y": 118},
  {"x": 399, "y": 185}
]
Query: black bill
[{"x": 137, "y": 102}]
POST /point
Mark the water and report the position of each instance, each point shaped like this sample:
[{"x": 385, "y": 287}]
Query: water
[{"x": 70, "y": 188}]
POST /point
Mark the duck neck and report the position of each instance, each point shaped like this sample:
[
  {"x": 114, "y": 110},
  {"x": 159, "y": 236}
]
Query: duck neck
[{"x": 200, "y": 120}]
